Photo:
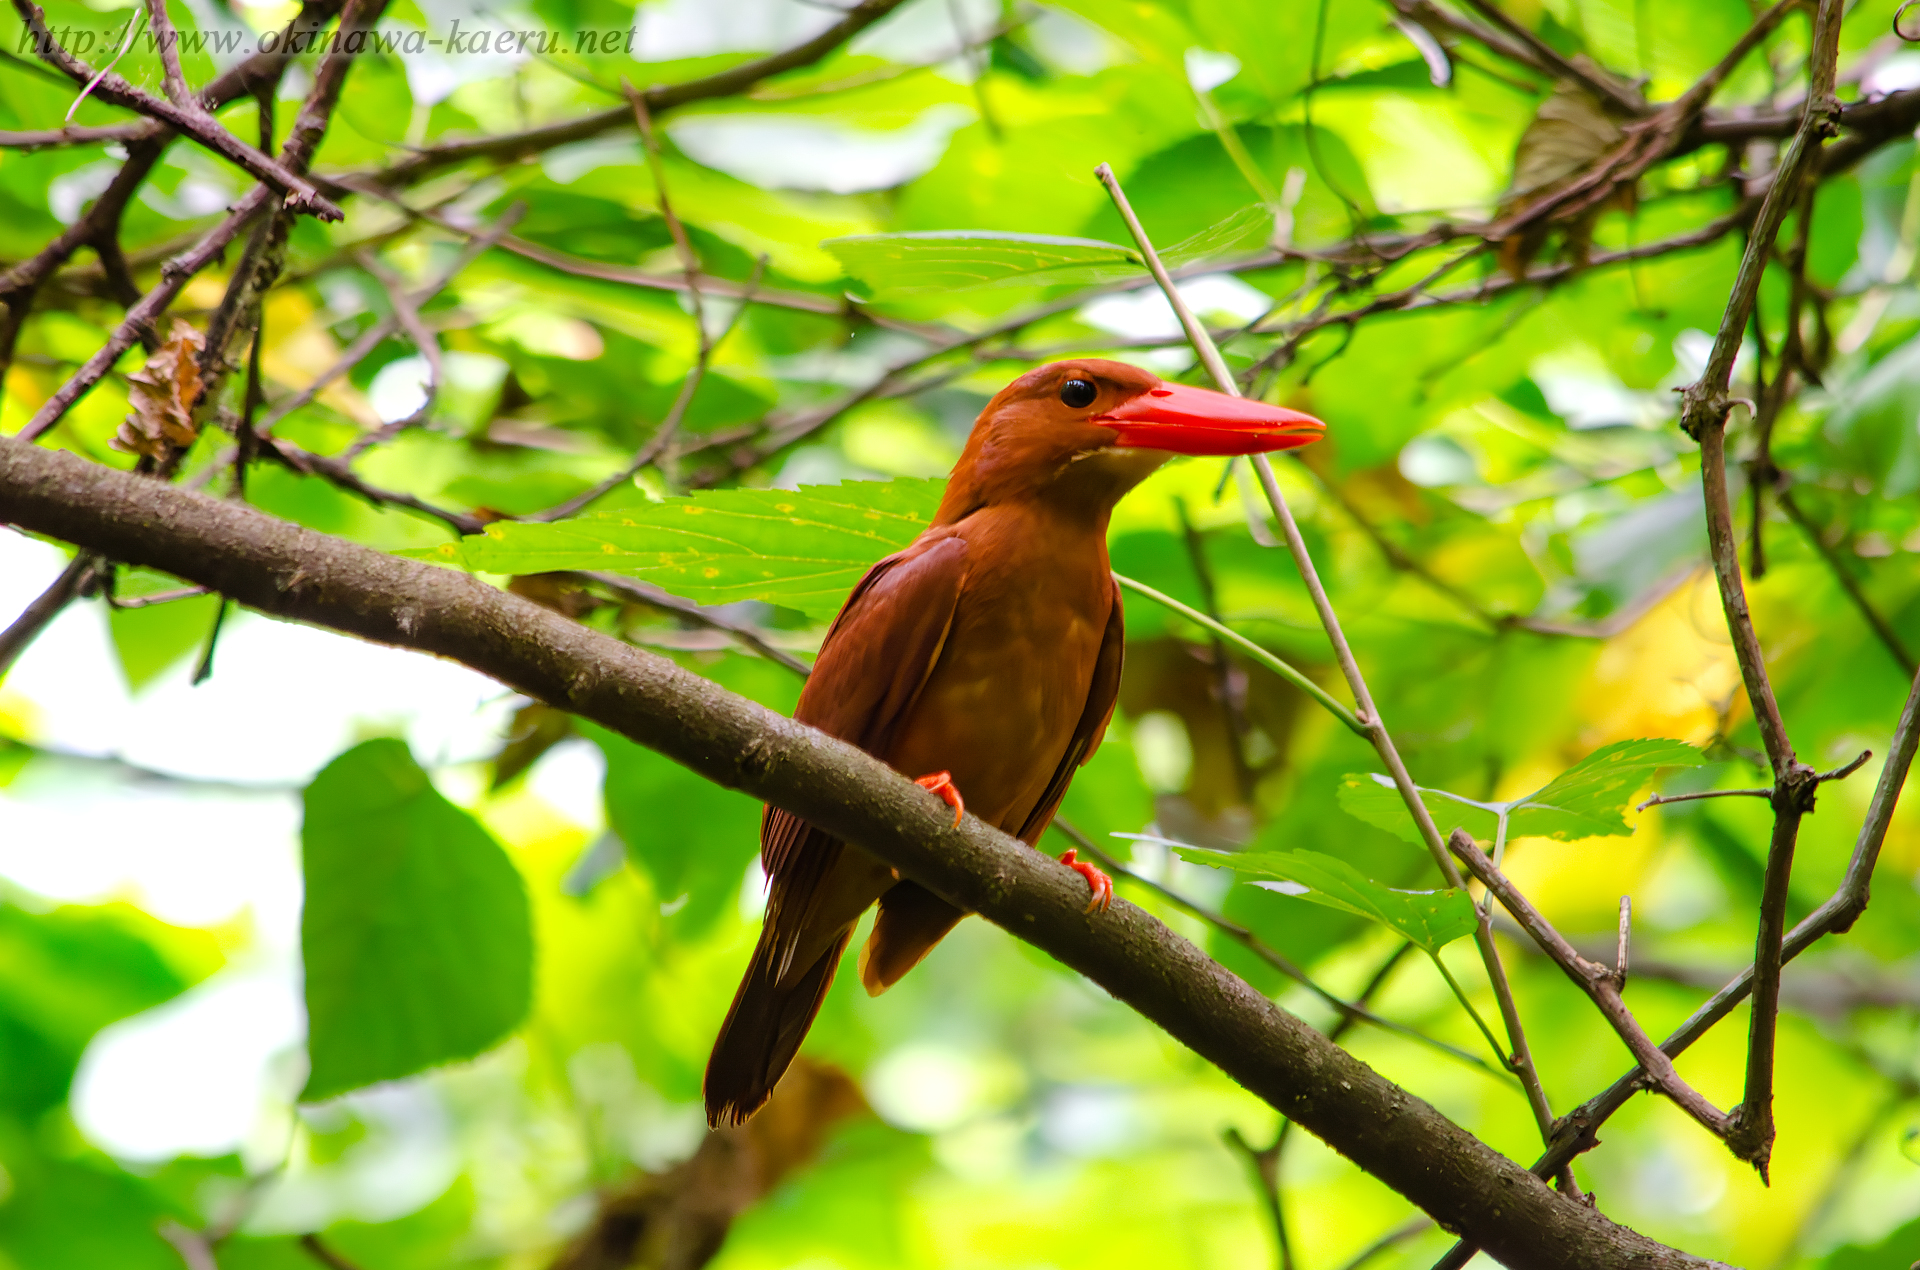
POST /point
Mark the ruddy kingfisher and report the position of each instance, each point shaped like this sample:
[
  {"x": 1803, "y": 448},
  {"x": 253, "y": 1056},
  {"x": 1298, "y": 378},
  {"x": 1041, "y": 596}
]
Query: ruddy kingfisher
[{"x": 983, "y": 659}]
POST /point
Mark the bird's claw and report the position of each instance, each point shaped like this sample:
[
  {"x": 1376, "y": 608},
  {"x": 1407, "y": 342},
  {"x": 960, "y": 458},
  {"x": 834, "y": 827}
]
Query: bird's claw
[
  {"x": 941, "y": 785},
  {"x": 1102, "y": 884}
]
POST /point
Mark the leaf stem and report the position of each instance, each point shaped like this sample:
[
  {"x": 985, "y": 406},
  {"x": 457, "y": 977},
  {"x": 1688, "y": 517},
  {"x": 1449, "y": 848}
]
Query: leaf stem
[
  {"x": 1461, "y": 996},
  {"x": 1259, "y": 654}
]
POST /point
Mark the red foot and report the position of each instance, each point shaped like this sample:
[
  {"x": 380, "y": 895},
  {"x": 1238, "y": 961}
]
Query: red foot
[
  {"x": 941, "y": 784},
  {"x": 1102, "y": 884}
]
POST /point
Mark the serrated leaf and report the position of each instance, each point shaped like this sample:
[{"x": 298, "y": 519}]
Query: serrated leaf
[
  {"x": 1245, "y": 230},
  {"x": 1371, "y": 797},
  {"x": 895, "y": 265},
  {"x": 802, "y": 549},
  {"x": 1430, "y": 919},
  {"x": 416, "y": 933},
  {"x": 1585, "y": 801},
  {"x": 1588, "y": 799}
]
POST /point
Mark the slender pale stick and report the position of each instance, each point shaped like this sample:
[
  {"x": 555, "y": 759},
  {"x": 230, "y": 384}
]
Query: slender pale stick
[
  {"x": 1369, "y": 716},
  {"x": 1254, "y": 650}
]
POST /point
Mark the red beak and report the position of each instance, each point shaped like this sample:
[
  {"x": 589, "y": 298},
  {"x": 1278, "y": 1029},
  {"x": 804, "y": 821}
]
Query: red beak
[{"x": 1187, "y": 420}]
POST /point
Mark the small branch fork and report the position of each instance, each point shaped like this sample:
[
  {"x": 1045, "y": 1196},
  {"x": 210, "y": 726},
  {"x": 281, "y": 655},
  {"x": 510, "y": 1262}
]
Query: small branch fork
[
  {"x": 1598, "y": 982},
  {"x": 1574, "y": 1133},
  {"x": 183, "y": 114}
]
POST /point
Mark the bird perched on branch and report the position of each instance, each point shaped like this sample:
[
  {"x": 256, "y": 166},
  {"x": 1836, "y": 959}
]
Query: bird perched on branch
[{"x": 983, "y": 660}]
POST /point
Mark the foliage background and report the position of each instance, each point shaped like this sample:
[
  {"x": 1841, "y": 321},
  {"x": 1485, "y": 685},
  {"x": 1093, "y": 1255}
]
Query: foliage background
[{"x": 1522, "y": 450}]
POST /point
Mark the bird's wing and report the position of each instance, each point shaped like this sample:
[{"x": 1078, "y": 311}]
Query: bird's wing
[
  {"x": 1102, "y": 693},
  {"x": 875, "y": 661}
]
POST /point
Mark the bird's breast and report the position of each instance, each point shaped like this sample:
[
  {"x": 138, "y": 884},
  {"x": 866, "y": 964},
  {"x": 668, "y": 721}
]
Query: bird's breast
[{"x": 1007, "y": 693}]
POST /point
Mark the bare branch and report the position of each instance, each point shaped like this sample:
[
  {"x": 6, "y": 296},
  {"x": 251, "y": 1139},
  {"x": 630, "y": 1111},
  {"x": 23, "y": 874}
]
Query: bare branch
[
  {"x": 168, "y": 42},
  {"x": 37, "y": 616},
  {"x": 1848, "y": 583},
  {"x": 479, "y": 241},
  {"x": 1575, "y": 1131},
  {"x": 727, "y": 83},
  {"x": 189, "y": 121},
  {"x": 1596, "y": 81},
  {"x": 1599, "y": 983}
]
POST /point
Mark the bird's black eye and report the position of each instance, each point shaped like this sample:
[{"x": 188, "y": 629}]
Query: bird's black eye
[{"x": 1078, "y": 392}]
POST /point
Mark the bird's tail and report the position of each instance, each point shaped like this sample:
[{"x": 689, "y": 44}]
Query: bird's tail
[{"x": 764, "y": 1028}]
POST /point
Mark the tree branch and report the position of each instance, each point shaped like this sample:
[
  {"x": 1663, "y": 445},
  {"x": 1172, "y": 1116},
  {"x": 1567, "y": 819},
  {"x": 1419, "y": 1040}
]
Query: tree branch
[
  {"x": 46, "y": 606},
  {"x": 1599, "y": 983},
  {"x": 1574, "y": 1133},
  {"x": 189, "y": 119},
  {"x": 295, "y": 573},
  {"x": 1848, "y": 583},
  {"x": 660, "y": 97}
]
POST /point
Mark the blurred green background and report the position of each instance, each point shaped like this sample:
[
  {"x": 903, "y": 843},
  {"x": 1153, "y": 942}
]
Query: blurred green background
[{"x": 579, "y": 909}]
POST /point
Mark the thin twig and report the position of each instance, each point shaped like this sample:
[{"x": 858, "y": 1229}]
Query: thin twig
[
  {"x": 1662, "y": 799},
  {"x": 193, "y": 1247},
  {"x": 1265, "y": 658},
  {"x": 1550, "y": 59},
  {"x": 190, "y": 121},
  {"x": 1367, "y": 713},
  {"x": 647, "y": 593},
  {"x": 1575, "y": 1132},
  {"x": 406, "y": 314},
  {"x": 1625, "y": 943},
  {"x": 1252, "y": 943},
  {"x": 663, "y": 436},
  {"x": 506, "y": 147},
  {"x": 1599, "y": 983},
  {"x": 1848, "y": 583},
  {"x": 48, "y": 605},
  {"x": 168, "y": 41},
  {"x": 312, "y": 1245},
  {"x": 1409, "y": 1229},
  {"x": 478, "y": 242}
]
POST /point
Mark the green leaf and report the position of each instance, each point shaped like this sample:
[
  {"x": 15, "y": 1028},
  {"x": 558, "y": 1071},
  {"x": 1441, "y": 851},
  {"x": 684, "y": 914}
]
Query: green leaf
[
  {"x": 1588, "y": 799},
  {"x": 896, "y": 265},
  {"x": 1585, "y": 801},
  {"x": 803, "y": 549},
  {"x": 1430, "y": 919},
  {"x": 1371, "y": 797},
  {"x": 416, "y": 934}
]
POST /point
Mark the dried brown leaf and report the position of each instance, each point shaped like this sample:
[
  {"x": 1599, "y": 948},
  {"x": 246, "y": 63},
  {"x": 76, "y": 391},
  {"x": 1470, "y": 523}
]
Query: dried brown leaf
[{"x": 163, "y": 394}]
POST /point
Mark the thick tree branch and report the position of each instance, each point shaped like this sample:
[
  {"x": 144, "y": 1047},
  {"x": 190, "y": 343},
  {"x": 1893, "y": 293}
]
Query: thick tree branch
[{"x": 295, "y": 573}]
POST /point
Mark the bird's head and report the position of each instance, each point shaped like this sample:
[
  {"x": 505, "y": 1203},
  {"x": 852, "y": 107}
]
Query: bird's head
[{"x": 1084, "y": 432}]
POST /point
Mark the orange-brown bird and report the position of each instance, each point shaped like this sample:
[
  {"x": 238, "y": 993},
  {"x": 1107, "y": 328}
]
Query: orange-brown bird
[{"x": 984, "y": 658}]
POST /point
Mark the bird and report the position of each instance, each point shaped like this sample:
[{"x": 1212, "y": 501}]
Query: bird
[{"x": 983, "y": 660}]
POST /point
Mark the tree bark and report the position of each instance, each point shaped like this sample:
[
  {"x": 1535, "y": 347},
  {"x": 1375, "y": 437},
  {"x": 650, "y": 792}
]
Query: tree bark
[{"x": 290, "y": 572}]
